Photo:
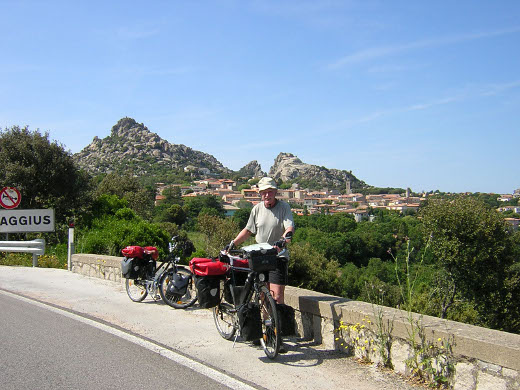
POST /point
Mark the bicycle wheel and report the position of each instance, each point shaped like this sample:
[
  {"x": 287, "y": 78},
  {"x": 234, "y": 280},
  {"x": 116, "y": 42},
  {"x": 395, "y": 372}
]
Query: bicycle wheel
[
  {"x": 270, "y": 340},
  {"x": 177, "y": 301},
  {"x": 225, "y": 319},
  {"x": 136, "y": 289}
]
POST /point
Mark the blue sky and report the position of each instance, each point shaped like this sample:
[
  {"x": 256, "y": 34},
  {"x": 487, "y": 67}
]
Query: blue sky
[{"x": 419, "y": 94}]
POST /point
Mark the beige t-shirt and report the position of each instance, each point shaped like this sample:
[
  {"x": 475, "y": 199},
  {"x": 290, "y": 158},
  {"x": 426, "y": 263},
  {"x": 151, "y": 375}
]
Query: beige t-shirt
[{"x": 268, "y": 225}]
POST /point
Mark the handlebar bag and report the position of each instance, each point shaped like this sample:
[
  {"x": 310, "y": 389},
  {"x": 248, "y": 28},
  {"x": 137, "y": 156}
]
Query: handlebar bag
[
  {"x": 133, "y": 251},
  {"x": 208, "y": 267},
  {"x": 250, "y": 322},
  {"x": 208, "y": 290},
  {"x": 262, "y": 260}
]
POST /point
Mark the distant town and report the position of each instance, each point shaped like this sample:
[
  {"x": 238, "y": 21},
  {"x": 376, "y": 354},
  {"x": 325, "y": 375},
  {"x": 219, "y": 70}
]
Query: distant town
[{"x": 325, "y": 201}]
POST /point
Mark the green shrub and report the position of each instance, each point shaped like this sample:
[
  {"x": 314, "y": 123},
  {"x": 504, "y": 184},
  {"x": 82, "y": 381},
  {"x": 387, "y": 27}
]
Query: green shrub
[
  {"x": 310, "y": 269},
  {"x": 110, "y": 234}
]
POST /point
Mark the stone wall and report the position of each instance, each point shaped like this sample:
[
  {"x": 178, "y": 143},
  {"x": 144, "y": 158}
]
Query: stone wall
[
  {"x": 99, "y": 266},
  {"x": 471, "y": 357}
]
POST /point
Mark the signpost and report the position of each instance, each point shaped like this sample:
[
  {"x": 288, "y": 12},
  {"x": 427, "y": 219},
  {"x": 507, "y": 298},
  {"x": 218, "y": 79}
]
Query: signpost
[{"x": 23, "y": 221}]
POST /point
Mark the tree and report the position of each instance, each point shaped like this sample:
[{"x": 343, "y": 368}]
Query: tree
[
  {"x": 473, "y": 246},
  {"x": 173, "y": 195},
  {"x": 140, "y": 199},
  {"x": 44, "y": 173},
  {"x": 310, "y": 269},
  {"x": 176, "y": 214},
  {"x": 217, "y": 231},
  {"x": 194, "y": 205}
]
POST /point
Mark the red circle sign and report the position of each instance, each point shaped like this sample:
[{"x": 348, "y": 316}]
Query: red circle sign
[{"x": 10, "y": 198}]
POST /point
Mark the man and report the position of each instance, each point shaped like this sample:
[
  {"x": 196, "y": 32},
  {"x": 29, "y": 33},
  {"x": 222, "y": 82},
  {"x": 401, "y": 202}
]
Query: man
[{"x": 270, "y": 220}]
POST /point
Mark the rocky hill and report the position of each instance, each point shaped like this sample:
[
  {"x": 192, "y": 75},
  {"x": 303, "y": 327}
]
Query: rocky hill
[
  {"x": 290, "y": 168},
  {"x": 252, "y": 169},
  {"x": 131, "y": 147}
]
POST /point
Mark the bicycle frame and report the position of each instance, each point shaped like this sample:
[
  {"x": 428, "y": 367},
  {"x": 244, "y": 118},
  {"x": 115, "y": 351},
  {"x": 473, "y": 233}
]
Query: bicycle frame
[{"x": 151, "y": 284}]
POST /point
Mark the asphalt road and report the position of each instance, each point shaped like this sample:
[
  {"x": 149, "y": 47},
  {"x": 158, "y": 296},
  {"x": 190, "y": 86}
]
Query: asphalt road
[
  {"x": 44, "y": 349},
  {"x": 65, "y": 308}
]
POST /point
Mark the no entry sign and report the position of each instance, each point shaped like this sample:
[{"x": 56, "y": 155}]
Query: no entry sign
[{"x": 10, "y": 198}]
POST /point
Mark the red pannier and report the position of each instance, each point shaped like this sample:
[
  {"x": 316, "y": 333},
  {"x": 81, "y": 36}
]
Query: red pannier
[
  {"x": 152, "y": 251},
  {"x": 138, "y": 252},
  {"x": 208, "y": 267},
  {"x": 241, "y": 263},
  {"x": 133, "y": 251}
]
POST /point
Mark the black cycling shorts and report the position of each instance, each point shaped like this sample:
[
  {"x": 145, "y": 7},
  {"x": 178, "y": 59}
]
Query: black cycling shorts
[{"x": 281, "y": 274}]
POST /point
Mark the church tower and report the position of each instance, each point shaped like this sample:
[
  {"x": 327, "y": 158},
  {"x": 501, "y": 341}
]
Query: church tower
[{"x": 348, "y": 188}]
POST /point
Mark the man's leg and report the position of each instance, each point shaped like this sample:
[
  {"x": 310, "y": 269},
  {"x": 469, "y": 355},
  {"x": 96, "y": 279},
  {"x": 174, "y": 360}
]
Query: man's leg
[{"x": 278, "y": 292}]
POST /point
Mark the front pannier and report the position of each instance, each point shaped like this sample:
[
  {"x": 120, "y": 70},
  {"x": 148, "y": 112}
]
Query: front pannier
[
  {"x": 287, "y": 319},
  {"x": 178, "y": 284},
  {"x": 250, "y": 322},
  {"x": 233, "y": 294},
  {"x": 208, "y": 290},
  {"x": 262, "y": 260}
]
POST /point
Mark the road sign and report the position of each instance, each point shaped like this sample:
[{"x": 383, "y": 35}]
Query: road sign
[
  {"x": 10, "y": 198},
  {"x": 20, "y": 221}
]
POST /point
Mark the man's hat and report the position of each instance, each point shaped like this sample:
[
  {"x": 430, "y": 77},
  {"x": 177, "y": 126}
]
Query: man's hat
[{"x": 265, "y": 183}]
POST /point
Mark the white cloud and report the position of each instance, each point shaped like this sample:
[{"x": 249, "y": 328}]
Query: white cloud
[{"x": 383, "y": 51}]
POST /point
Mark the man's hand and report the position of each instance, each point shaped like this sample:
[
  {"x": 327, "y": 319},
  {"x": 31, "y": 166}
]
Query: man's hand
[
  {"x": 229, "y": 246},
  {"x": 280, "y": 243}
]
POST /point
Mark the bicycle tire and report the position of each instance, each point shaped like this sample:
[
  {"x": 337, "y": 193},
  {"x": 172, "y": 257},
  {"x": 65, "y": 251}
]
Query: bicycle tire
[
  {"x": 225, "y": 320},
  {"x": 271, "y": 338},
  {"x": 136, "y": 292},
  {"x": 177, "y": 301}
]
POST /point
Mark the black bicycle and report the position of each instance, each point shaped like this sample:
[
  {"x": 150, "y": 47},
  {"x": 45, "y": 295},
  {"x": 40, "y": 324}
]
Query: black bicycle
[
  {"x": 145, "y": 275},
  {"x": 246, "y": 306}
]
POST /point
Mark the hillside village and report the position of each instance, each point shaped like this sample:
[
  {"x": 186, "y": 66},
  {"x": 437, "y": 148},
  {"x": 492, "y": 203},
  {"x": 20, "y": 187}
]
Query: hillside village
[{"x": 312, "y": 202}]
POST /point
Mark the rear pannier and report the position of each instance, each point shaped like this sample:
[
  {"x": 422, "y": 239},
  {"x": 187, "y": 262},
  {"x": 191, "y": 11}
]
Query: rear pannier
[
  {"x": 133, "y": 251},
  {"x": 208, "y": 275},
  {"x": 208, "y": 267},
  {"x": 138, "y": 261},
  {"x": 208, "y": 290},
  {"x": 152, "y": 251},
  {"x": 129, "y": 268}
]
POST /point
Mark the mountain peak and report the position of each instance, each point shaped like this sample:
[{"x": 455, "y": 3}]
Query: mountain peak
[
  {"x": 288, "y": 167},
  {"x": 132, "y": 147}
]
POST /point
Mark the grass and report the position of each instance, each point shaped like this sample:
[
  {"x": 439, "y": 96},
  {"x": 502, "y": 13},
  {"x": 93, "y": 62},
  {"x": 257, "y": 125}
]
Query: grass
[{"x": 25, "y": 260}]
